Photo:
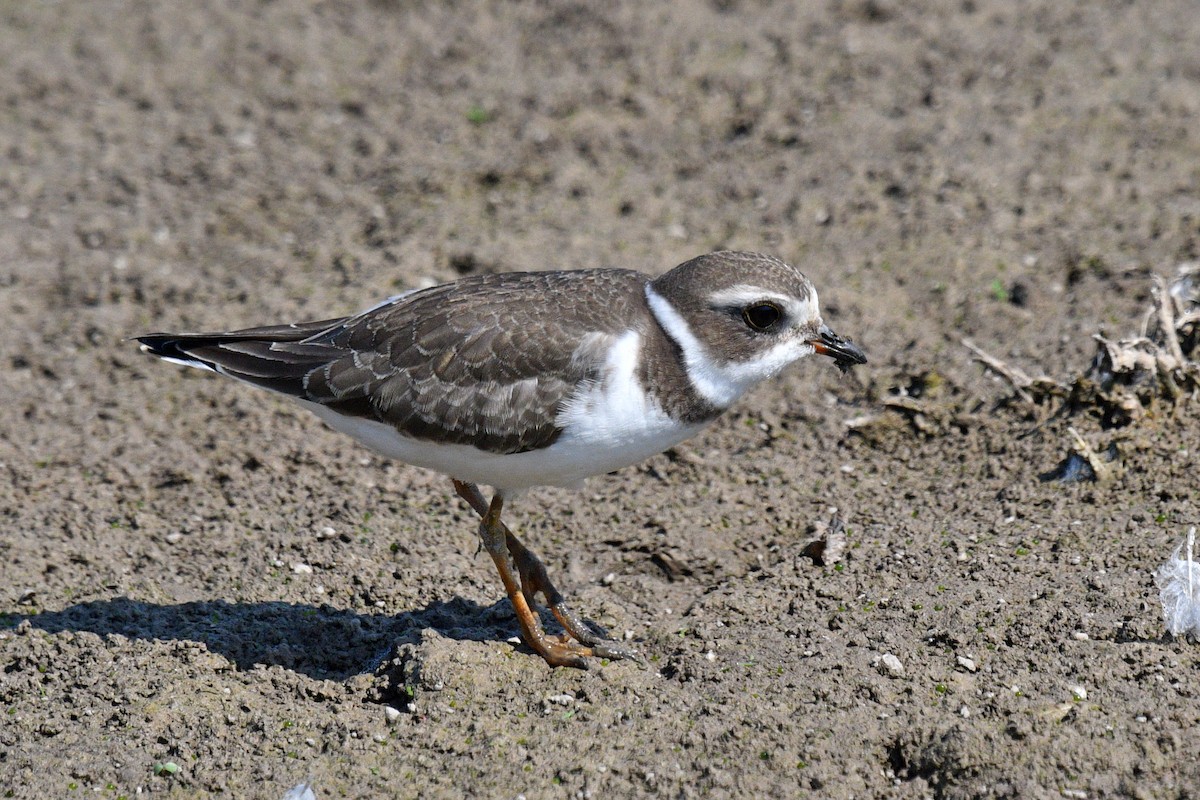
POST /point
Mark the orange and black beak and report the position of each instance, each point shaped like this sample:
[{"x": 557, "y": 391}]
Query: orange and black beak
[{"x": 845, "y": 353}]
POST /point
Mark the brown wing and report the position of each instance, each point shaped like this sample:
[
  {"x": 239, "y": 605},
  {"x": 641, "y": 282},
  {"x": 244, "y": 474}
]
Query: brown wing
[{"x": 487, "y": 361}]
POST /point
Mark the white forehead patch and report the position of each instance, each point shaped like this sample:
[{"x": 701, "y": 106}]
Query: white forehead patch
[{"x": 722, "y": 382}]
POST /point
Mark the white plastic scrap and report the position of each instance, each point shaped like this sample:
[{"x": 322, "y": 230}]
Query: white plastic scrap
[
  {"x": 1179, "y": 589},
  {"x": 301, "y": 791}
]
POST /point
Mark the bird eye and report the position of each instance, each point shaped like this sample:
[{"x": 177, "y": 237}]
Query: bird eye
[{"x": 761, "y": 316}]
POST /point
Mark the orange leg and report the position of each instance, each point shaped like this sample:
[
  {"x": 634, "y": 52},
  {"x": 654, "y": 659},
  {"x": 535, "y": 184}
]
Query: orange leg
[{"x": 501, "y": 544}]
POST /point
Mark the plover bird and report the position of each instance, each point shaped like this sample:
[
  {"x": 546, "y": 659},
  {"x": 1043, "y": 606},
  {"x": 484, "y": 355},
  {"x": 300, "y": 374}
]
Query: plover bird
[{"x": 536, "y": 379}]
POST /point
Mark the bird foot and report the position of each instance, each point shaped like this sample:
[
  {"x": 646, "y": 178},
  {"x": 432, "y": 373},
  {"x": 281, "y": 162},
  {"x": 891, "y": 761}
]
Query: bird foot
[{"x": 580, "y": 642}]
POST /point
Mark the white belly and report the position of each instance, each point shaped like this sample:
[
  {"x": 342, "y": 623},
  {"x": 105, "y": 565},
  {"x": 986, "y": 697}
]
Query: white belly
[{"x": 565, "y": 463}]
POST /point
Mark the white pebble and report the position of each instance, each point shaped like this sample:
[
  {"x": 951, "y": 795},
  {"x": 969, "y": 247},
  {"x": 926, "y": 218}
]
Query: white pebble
[
  {"x": 1078, "y": 692},
  {"x": 889, "y": 664},
  {"x": 1079, "y": 636},
  {"x": 392, "y": 714},
  {"x": 302, "y": 569},
  {"x": 966, "y": 663}
]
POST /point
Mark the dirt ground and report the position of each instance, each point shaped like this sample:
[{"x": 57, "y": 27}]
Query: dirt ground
[{"x": 205, "y": 592}]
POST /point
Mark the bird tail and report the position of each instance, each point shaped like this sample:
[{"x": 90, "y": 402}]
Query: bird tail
[{"x": 277, "y": 357}]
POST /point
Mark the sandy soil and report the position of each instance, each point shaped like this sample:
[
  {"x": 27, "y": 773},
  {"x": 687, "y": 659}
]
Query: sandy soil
[{"x": 192, "y": 573}]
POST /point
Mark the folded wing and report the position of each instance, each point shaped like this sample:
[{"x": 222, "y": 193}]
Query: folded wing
[{"x": 487, "y": 361}]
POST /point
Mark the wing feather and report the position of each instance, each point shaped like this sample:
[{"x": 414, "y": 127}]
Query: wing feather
[{"x": 487, "y": 361}]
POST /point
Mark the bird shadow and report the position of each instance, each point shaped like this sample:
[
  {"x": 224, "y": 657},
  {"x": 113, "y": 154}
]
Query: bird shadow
[{"x": 322, "y": 642}]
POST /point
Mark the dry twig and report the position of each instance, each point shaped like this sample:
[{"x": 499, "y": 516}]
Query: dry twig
[{"x": 1015, "y": 376}]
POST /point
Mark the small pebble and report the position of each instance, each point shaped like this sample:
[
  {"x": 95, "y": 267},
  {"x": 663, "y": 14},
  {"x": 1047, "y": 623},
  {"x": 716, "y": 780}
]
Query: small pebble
[
  {"x": 302, "y": 569},
  {"x": 889, "y": 664},
  {"x": 966, "y": 663},
  {"x": 1079, "y": 693},
  {"x": 174, "y": 537},
  {"x": 392, "y": 714},
  {"x": 1079, "y": 636}
]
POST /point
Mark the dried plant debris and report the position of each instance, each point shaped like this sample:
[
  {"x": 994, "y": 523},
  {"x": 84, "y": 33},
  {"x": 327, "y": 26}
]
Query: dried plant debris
[
  {"x": 1023, "y": 386},
  {"x": 829, "y": 542},
  {"x": 1179, "y": 589},
  {"x": 1128, "y": 378},
  {"x": 1162, "y": 363}
]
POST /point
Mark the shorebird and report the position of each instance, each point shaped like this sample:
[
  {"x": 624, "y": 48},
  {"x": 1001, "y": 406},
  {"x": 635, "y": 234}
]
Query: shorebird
[{"x": 536, "y": 379}]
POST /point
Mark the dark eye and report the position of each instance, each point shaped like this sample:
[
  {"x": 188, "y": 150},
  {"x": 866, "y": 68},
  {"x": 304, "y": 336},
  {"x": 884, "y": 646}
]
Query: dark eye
[{"x": 761, "y": 316}]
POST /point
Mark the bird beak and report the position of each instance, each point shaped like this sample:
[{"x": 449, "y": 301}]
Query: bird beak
[{"x": 844, "y": 352}]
